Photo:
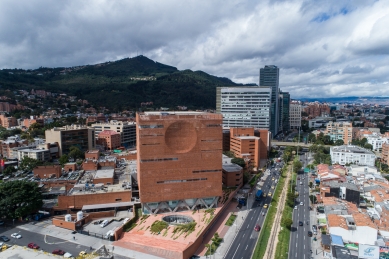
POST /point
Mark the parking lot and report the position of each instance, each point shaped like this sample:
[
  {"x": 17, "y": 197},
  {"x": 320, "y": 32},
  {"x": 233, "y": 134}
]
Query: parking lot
[{"x": 97, "y": 229}]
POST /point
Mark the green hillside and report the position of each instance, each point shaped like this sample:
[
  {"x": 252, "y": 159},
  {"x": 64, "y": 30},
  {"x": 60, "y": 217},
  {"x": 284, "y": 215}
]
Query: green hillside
[{"x": 122, "y": 84}]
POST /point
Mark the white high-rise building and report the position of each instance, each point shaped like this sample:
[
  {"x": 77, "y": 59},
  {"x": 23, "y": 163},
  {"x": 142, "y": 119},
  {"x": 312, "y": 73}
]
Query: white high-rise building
[{"x": 244, "y": 106}]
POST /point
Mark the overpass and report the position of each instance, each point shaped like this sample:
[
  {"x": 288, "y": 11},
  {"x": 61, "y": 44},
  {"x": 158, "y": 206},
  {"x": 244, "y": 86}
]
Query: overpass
[{"x": 293, "y": 144}]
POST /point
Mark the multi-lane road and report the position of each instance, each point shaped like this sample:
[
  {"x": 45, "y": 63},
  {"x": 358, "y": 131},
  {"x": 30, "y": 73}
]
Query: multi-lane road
[
  {"x": 300, "y": 242},
  {"x": 246, "y": 237}
]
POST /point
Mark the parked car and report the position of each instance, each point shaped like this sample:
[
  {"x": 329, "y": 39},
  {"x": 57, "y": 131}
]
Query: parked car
[
  {"x": 33, "y": 246},
  {"x": 16, "y": 235},
  {"x": 82, "y": 253},
  {"x": 104, "y": 223},
  {"x": 68, "y": 255},
  {"x": 58, "y": 252},
  {"x": 4, "y": 238},
  {"x": 265, "y": 206},
  {"x": 309, "y": 233},
  {"x": 257, "y": 228}
]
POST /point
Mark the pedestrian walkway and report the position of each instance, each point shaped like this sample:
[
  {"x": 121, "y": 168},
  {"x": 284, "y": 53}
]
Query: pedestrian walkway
[{"x": 48, "y": 230}]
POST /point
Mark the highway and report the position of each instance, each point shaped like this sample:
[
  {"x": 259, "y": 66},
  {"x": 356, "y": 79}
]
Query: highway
[
  {"x": 300, "y": 242},
  {"x": 246, "y": 238}
]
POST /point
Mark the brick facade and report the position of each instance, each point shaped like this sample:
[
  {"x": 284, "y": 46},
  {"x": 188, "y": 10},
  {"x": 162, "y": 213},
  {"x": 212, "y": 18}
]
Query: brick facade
[{"x": 179, "y": 155}]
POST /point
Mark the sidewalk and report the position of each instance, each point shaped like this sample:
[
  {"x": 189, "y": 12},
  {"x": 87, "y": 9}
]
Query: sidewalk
[
  {"x": 46, "y": 228},
  {"x": 229, "y": 232}
]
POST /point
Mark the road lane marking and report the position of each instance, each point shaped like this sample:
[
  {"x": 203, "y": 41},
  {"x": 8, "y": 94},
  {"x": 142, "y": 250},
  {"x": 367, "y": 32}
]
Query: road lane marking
[
  {"x": 246, "y": 247},
  {"x": 236, "y": 251}
]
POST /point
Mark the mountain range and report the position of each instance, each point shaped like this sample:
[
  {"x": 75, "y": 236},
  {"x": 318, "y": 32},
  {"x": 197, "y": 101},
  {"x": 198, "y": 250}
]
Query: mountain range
[{"x": 123, "y": 84}]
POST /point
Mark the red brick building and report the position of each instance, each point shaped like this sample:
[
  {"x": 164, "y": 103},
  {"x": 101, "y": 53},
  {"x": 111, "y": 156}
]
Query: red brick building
[
  {"x": 179, "y": 160},
  {"x": 109, "y": 139},
  {"x": 317, "y": 109},
  {"x": 47, "y": 171}
]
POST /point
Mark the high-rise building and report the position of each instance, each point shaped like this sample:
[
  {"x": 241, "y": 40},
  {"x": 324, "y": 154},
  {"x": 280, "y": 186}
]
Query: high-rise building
[
  {"x": 244, "y": 106},
  {"x": 284, "y": 123},
  {"x": 340, "y": 131},
  {"x": 295, "y": 109},
  {"x": 269, "y": 77},
  {"x": 179, "y": 160},
  {"x": 68, "y": 136}
]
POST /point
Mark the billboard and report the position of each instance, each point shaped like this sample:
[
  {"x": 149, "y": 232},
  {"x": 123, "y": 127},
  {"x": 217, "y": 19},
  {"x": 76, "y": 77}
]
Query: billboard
[{"x": 369, "y": 252}]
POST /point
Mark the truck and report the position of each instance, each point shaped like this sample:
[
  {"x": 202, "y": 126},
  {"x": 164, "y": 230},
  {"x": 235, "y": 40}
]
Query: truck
[{"x": 258, "y": 195}]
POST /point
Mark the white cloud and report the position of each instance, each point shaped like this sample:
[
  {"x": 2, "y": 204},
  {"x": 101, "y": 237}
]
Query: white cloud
[{"x": 323, "y": 48}]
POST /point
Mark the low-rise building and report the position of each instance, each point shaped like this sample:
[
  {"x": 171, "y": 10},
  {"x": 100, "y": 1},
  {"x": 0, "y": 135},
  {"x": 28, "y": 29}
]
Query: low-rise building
[
  {"x": 127, "y": 131},
  {"x": 348, "y": 154},
  {"x": 232, "y": 175},
  {"x": 47, "y": 171},
  {"x": 38, "y": 154},
  {"x": 109, "y": 139}
]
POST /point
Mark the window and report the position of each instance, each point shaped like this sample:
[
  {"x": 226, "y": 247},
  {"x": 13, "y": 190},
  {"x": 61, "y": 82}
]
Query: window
[
  {"x": 150, "y": 126},
  {"x": 158, "y": 160},
  {"x": 118, "y": 199}
]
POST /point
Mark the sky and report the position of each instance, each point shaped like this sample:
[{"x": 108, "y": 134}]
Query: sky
[{"x": 324, "y": 48}]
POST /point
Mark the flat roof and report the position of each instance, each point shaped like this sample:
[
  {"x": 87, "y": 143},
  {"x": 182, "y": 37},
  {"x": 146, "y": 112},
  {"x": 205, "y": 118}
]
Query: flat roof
[
  {"x": 231, "y": 167},
  {"x": 105, "y": 173},
  {"x": 174, "y": 113},
  {"x": 22, "y": 253},
  {"x": 107, "y": 205}
]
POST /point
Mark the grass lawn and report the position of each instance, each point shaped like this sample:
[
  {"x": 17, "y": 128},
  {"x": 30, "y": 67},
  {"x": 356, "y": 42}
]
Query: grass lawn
[
  {"x": 284, "y": 235},
  {"x": 231, "y": 220},
  {"x": 263, "y": 239}
]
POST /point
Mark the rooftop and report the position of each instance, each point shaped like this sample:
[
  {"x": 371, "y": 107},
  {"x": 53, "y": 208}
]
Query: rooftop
[
  {"x": 351, "y": 149},
  {"x": 106, "y": 173},
  {"x": 109, "y": 132},
  {"x": 230, "y": 167}
]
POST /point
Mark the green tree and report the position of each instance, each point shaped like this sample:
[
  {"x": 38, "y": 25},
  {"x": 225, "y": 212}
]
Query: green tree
[
  {"x": 19, "y": 199},
  {"x": 239, "y": 161},
  {"x": 339, "y": 142},
  {"x": 297, "y": 165},
  {"x": 368, "y": 146},
  {"x": 75, "y": 152},
  {"x": 9, "y": 170},
  {"x": 287, "y": 222},
  {"x": 63, "y": 159},
  {"x": 311, "y": 138},
  {"x": 27, "y": 163}
]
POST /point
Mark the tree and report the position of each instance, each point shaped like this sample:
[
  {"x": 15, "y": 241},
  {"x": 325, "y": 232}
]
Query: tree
[
  {"x": 27, "y": 163},
  {"x": 239, "y": 161},
  {"x": 338, "y": 142},
  {"x": 9, "y": 170},
  {"x": 19, "y": 199},
  {"x": 311, "y": 138},
  {"x": 297, "y": 165},
  {"x": 63, "y": 159},
  {"x": 368, "y": 146},
  {"x": 75, "y": 152},
  {"x": 287, "y": 222}
]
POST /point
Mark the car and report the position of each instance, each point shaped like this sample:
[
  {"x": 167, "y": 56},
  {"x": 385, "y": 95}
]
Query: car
[
  {"x": 314, "y": 227},
  {"x": 301, "y": 182},
  {"x": 33, "y": 246},
  {"x": 16, "y": 235},
  {"x": 4, "y": 238},
  {"x": 272, "y": 187},
  {"x": 68, "y": 255},
  {"x": 263, "y": 213},
  {"x": 309, "y": 233},
  {"x": 298, "y": 178},
  {"x": 265, "y": 206},
  {"x": 301, "y": 223},
  {"x": 58, "y": 252},
  {"x": 301, "y": 203},
  {"x": 269, "y": 194},
  {"x": 257, "y": 228},
  {"x": 2, "y": 223},
  {"x": 295, "y": 207},
  {"x": 272, "y": 179}
]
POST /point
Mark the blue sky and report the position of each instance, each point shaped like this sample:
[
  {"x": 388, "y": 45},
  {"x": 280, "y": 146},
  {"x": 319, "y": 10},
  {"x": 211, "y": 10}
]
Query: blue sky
[{"x": 323, "y": 47}]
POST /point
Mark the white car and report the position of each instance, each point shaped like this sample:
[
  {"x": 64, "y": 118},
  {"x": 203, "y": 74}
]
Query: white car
[
  {"x": 295, "y": 207},
  {"x": 301, "y": 203},
  {"x": 68, "y": 255},
  {"x": 16, "y": 235}
]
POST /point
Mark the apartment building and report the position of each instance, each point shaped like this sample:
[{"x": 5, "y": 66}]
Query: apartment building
[
  {"x": 385, "y": 153},
  {"x": 347, "y": 154},
  {"x": 284, "y": 123},
  {"x": 377, "y": 140},
  {"x": 244, "y": 106},
  {"x": 314, "y": 110},
  {"x": 127, "y": 131},
  {"x": 295, "y": 109},
  {"x": 75, "y": 135},
  {"x": 340, "y": 131},
  {"x": 179, "y": 160},
  {"x": 38, "y": 154},
  {"x": 109, "y": 139},
  {"x": 8, "y": 122}
]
